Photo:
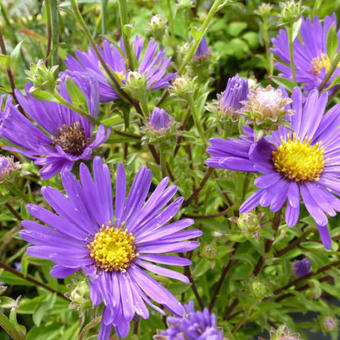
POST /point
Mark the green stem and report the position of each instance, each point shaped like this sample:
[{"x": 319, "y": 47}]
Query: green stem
[
  {"x": 123, "y": 13},
  {"x": 291, "y": 54},
  {"x": 171, "y": 19},
  {"x": 196, "y": 118},
  {"x": 104, "y": 4},
  {"x": 54, "y": 24},
  {"x": 163, "y": 162},
  {"x": 334, "y": 65}
]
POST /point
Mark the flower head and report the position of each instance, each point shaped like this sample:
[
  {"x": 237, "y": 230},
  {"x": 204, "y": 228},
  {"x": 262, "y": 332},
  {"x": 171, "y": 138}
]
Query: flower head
[
  {"x": 329, "y": 323},
  {"x": 68, "y": 136},
  {"x": 301, "y": 162},
  {"x": 152, "y": 64},
  {"x": 310, "y": 53},
  {"x": 114, "y": 248},
  {"x": 302, "y": 267},
  {"x": 230, "y": 101},
  {"x": 193, "y": 326}
]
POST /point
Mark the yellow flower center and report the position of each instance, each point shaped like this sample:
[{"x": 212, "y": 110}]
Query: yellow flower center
[
  {"x": 319, "y": 62},
  {"x": 299, "y": 161},
  {"x": 121, "y": 75},
  {"x": 113, "y": 248}
]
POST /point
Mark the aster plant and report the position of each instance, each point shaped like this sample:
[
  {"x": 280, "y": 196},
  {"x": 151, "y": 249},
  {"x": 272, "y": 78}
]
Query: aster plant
[{"x": 122, "y": 123}]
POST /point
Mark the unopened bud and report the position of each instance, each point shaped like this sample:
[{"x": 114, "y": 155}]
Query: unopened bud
[
  {"x": 160, "y": 121},
  {"x": 182, "y": 86},
  {"x": 302, "y": 268},
  {"x": 158, "y": 26},
  {"x": 8, "y": 169},
  {"x": 249, "y": 223},
  {"x": 329, "y": 323},
  {"x": 203, "y": 50},
  {"x": 185, "y": 4},
  {"x": 283, "y": 333},
  {"x": 42, "y": 77},
  {"x": 264, "y": 9},
  {"x": 290, "y": 11},
  {"x": 79, "y": 295}
]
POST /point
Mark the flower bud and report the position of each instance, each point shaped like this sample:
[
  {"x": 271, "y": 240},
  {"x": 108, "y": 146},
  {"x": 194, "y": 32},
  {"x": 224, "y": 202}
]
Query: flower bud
[
  {"x": 328, "y": 323},
  {"x": 182, "y": 86},
  {"x": 283, "y": 333},
  {"x": 185, "y": 4},
  {"x": 290, "y": 11},
  {"x": 158, "y": 26},
  {"x": 249, "y": 223},
  {"x": 42, "y": 77},
  {"x": 7, "y": 168},
  {"x": 160, "y": 121},
  {"x": 79, "y": 295},
  {"x": 136, "y": 85},
  {"x": 302, "y": 268},
  {"x": 264, "y": 9},
  {"x": 258, "y": 289},
  {"x": 266, "y": 108},
  {"x": 203, "y": 51},
  {"x": 230, "y": 101}
]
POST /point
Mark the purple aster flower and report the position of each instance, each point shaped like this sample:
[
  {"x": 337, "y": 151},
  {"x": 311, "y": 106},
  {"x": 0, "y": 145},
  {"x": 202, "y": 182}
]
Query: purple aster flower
[
  {"x": 65, "y": 137},
  {"x": 193, "y": 326},
  {"x": 302, "y": 268},
  {"x": 152, "y": 63},
  {"x": 230, "y": 101},
  {"x": 310, "y": 53},
  {"x": 159, "y": 121},
  {"x": 302, "y": 161},
  {"x": 113, "y": 247}
]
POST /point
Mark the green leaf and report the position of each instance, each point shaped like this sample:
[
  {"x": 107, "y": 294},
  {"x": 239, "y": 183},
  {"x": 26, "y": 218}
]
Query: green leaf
[
  {"x": 43, "y": 307},
  {"x": 332, "y": 42},
  {"x": 201, "y": 268},
  {"x": 5, "y": 61},
  {"x": 287, "y": 84},
  {"x": 9, "y": 328},
  {"x": 28, "y": 306},
  {"x": 7, "y": 302},
  {"x": 13, "y": 280},
  {"x": 235, "y": 28},
  {"x": 77, "y": 97},
  {"x": 16, "y": 57},
  {"x": 296, "y": 28},
  {"x": 336, "y": 81},
  {"x": 51, "y": 332},
  {"x": 252, "y": 39},
  {"x": 44, "y": 96}
]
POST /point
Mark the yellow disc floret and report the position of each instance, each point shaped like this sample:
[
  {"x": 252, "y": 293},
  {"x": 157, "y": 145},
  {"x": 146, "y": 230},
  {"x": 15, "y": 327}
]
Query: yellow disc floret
[
  {"x": 321, "y": 62},
  {"x": 299, "y": 160},
  {"x": 113, "y": 248}
]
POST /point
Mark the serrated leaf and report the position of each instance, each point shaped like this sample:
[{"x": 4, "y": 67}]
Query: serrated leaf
[{"x": 332, "y": 42}]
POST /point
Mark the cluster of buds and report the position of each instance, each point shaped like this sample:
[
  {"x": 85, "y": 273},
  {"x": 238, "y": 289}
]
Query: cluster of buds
[
  {"x": 42, "y": 77},
  {"x": 185, "y": 4},
  {"x": 266, "y": 108},
  {"x": 302, "y": 267},
  {"x": 249, "y": 224},
  {"x": 158, "y": 27},
  {"x": 8, "y": 169}
]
